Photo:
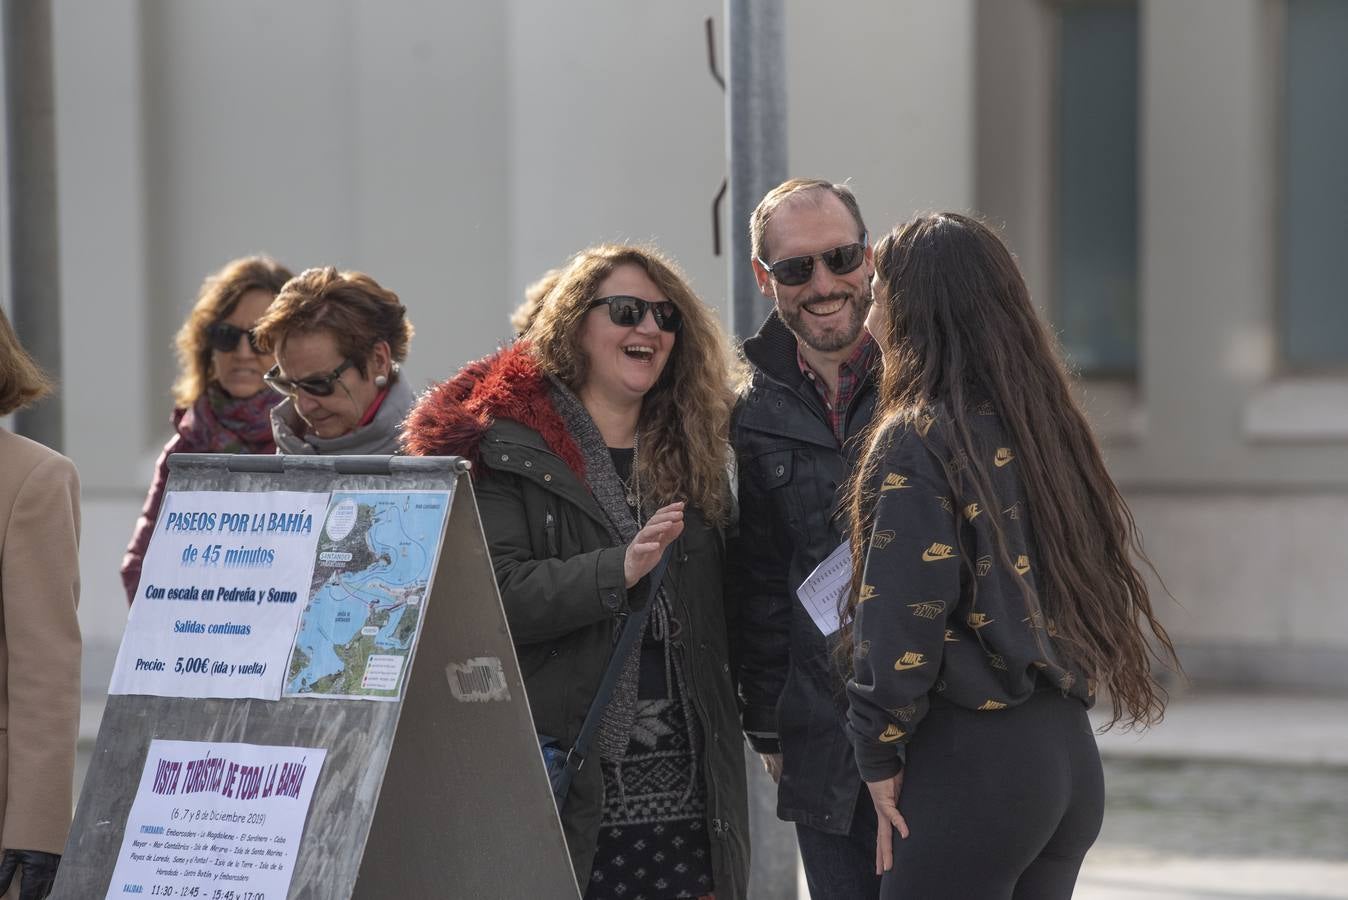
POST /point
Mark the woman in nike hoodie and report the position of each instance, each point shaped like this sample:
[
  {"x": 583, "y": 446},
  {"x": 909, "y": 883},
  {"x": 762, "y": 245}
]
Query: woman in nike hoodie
[{"x": 994, "y": 592}]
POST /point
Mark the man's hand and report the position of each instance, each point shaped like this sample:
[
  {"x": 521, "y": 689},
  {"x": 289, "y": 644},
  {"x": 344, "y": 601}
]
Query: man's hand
[
  {"x": 885, "y": 799},
  {"x": 39, "y": 872},
  {"x": 646, "y": 548},
  {"x": 773, "y": 763}
]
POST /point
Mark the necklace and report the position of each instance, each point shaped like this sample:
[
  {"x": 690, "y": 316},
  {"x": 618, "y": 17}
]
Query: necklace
[{"x": 633, "y": 486}]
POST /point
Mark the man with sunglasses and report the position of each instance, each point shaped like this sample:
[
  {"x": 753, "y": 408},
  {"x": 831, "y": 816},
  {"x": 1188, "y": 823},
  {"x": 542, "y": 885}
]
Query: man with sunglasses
[{"x": 812, "y": 391}]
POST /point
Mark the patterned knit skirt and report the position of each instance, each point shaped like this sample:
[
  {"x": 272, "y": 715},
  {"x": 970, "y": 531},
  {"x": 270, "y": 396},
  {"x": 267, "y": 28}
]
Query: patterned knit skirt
[{"x": 653, "y": 842}]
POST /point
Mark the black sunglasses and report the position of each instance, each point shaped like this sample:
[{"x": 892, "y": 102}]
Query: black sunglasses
[
  {"x": 224, "y": 337},
  {"x": 796, "y": 270},
  {"x": 629, "y": 311},
  {"x": 317, "y": 385}
]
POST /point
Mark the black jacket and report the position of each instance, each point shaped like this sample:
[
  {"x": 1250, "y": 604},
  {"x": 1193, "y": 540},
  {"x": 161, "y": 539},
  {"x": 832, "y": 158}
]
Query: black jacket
[
  {"x": 791, "y": 470},
  {"x": 562, "y": 586},
  {"x": 942, "y": 608}
]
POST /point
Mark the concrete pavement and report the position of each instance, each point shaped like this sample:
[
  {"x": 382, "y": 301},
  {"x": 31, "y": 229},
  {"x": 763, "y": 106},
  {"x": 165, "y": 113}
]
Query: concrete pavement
[
  {"x": 1233, "y": 796},
  {"x": 1278, "y": 729}
]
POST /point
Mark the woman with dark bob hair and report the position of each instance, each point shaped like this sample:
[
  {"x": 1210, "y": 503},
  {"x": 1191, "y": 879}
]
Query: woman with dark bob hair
[
  {"x": 220, "y": 402},
  {"x": 340, "y": 340},
  {"x": 994, "y": 592},
  {"x": 599, "y": 439},
  {"x": 39, "y": 637}
]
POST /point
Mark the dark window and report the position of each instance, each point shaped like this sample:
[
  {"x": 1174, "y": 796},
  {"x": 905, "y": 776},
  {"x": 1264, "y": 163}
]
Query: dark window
[
  {"x": 1095, "y": 278},
  {"x": 1313, "y": 288}
]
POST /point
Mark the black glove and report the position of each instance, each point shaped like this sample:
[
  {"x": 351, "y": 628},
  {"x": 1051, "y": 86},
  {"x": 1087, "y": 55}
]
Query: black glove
[{"x": 39, "y": 872}]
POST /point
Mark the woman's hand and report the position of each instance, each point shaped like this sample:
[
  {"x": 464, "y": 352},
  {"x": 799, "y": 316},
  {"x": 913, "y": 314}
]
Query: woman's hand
[
  {"x": 885, "y": 799},
  {"x": 644, "y": 551}
]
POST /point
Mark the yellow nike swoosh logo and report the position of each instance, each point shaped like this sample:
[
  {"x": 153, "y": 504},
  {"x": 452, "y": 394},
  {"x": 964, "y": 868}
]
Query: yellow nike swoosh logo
[{"x": 891, "y": 734}]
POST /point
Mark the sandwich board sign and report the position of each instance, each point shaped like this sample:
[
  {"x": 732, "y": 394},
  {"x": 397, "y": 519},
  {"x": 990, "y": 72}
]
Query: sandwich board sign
[{"x": 316, "y": 696}]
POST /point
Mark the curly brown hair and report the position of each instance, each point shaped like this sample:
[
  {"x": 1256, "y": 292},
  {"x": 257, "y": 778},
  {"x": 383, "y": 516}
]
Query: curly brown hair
[
  {"x": 685, "y": 417},
  {"x": 523, "y": 316},
  {"x": 219, "y": 294},
  {"x": 351, "y": 306}
]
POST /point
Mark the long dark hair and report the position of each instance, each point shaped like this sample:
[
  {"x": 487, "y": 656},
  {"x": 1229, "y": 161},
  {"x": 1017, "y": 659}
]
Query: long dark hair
[{"x": 958, "y": 330}]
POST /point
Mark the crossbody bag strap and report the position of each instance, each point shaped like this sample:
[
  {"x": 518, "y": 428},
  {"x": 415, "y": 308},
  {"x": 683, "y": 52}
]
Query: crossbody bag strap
[{"x": 631, "y": 633}]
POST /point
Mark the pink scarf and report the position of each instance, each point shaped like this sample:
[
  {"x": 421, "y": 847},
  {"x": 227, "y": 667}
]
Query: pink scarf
[{"x": 219, "y": 423}]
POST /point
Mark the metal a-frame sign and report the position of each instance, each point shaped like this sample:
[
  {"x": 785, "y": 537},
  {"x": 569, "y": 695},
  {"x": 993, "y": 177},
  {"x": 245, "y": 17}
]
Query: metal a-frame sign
[{"x": 440, "y": 792}]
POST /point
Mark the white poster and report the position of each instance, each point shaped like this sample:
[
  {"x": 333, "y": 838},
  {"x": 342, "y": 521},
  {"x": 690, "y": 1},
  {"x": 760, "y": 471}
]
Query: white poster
[
  {"x": 221, "y": 590},
  {"x": 823, "y": 590},
  {"x": 216, "y": 821}
]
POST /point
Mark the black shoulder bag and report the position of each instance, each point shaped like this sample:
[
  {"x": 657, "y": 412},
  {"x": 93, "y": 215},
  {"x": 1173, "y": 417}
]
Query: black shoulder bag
[{"x": 562, "y": 765}]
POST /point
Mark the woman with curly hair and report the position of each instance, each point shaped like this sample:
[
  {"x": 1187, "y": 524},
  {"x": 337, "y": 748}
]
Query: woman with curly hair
[
  {"x": 995, "y": 593},
  {"x": 220, "y": 403},
  {"x": 599, "y": 439}
]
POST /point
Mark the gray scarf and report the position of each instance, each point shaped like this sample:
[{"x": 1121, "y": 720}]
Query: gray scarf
[
  {"x": 379, "y": 437},
  {"x": 615, "y": 729}
]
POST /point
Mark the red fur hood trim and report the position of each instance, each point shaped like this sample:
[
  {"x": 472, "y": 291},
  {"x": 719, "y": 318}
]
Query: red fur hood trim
[{"x": 453, "y": 417}]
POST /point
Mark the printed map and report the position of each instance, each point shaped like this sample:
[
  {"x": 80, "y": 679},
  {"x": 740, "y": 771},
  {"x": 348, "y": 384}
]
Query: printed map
[{"x": 375, "y": 560}]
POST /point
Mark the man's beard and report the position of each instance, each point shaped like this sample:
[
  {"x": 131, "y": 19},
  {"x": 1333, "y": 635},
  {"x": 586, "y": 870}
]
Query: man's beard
[{"x": 830, "y": 340}]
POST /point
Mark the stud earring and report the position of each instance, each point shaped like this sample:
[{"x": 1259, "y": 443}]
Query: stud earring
[{"x": 381, "y": 381}]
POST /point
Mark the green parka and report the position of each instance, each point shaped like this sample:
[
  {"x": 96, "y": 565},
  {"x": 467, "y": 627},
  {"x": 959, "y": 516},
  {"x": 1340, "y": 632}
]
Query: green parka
[{"x": 562, "y": 584}]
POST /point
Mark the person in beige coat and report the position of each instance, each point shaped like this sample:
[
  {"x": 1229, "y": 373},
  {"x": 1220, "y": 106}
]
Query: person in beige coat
[{"x": 39, "y": 638}]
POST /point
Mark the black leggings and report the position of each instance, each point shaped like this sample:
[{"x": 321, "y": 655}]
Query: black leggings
[{"x": 1000, "y": 805}]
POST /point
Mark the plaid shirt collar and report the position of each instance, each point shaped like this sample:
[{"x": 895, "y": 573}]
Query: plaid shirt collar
[{"x": 852, "y": 372}]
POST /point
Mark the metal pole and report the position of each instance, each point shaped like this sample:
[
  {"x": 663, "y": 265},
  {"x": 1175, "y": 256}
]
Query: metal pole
[
  {"x": 755, "y": 137},
  {"x": 756, "y": 146},
  {"x": 30, "y": 138}
]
